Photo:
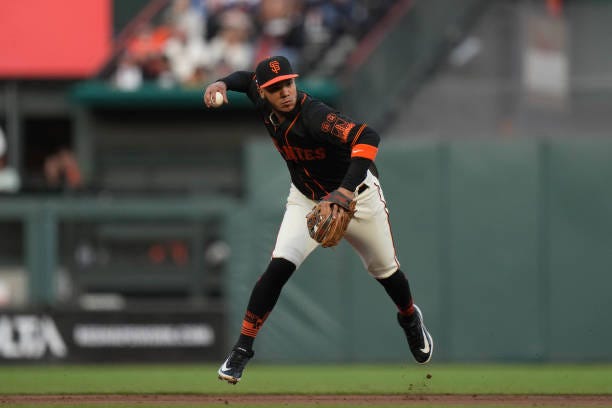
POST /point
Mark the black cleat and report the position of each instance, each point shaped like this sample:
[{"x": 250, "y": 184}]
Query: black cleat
[
  {"x": 232, "y": 367},
  {"x": 419, "y": 339}
]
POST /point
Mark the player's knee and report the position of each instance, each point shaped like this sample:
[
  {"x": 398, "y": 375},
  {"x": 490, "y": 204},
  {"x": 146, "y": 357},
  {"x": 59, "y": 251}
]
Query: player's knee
[
  {"x": 280, "y": 265},
  {"x": 382, "y": 272},
  {"x": 278, "y": 272}
]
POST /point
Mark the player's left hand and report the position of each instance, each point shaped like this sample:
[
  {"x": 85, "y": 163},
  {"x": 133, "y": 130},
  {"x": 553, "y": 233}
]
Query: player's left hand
[
  {"x": 327, "y": 207},
  {"x": 329, "y": 219}
]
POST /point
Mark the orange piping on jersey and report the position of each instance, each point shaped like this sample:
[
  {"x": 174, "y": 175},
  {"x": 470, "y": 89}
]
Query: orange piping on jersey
[
  {"x": 359, "y": 132},
  {"x": 312, "y": 193},
  {"x": 289, "y": 128},
  {"x": 316, "y": 182},
  {"x": 277, "y": 146},
  {"x": 364, "y": 150},
  {"x": 293, "y": 122}
]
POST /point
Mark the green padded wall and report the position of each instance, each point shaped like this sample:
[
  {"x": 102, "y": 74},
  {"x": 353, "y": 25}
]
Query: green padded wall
[
  {"x": 412, "y": 177},
  {"x": 579, "y": 249},
  {"x": 507, "y": 245},
  {"x": 493, "y": 247}
]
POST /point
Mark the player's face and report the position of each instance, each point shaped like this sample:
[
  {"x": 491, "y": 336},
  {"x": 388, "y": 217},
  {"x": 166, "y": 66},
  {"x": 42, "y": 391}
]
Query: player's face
[{"x": 282, "y": 95}]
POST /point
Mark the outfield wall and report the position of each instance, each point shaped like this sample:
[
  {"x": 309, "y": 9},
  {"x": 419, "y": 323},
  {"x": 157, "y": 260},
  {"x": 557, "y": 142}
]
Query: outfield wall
[{"x": 507, "y": 245}]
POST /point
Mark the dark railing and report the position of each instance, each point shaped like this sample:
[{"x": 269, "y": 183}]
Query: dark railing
[{"x": 405, "y": 46}]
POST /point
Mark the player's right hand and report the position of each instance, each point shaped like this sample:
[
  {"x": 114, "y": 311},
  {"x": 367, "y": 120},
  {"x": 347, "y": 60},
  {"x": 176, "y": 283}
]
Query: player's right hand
[{"x": 209, "y": 93}]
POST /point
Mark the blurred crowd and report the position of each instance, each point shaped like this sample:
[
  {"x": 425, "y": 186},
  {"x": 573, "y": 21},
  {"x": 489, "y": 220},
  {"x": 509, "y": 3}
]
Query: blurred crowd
[{"x": 197, "y": 41}]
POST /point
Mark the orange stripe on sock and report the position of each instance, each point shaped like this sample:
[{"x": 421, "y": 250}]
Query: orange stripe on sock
[
  {"x": 248, "y": 329},
  {"x": 251, "y": 324},
  {"x": 249, "y": 332},
  {"x": 407, "y": 311}
]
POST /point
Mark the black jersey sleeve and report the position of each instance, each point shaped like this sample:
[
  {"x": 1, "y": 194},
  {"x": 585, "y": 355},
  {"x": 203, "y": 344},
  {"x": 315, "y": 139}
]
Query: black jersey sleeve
[
  {"x": 242, "y": 81},
  {"x": 334, "y": 127}
]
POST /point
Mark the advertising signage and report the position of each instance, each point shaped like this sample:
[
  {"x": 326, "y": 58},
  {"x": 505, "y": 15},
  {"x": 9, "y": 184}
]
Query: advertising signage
[
  {"x": 80, "y": 336},
  {"x": 54, "y": 38}
]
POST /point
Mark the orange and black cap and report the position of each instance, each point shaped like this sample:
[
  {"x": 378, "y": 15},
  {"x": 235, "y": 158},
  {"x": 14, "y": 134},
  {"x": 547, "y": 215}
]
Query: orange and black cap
[{"x": 273, "y": 70}]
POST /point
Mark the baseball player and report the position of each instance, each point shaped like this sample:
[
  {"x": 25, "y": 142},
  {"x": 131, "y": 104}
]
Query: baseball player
[{"x": 327, "y": 154}]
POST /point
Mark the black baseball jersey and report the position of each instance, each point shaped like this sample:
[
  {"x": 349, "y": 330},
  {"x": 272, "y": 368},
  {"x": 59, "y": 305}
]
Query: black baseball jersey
[{"x": 317, "y": 142}]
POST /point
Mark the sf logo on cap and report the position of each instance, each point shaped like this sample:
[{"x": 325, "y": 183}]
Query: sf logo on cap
[{"x": 275, "y": 66}]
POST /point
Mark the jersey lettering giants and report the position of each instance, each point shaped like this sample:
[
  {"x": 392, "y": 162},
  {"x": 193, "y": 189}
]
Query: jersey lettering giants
[
  {"x": 299, "y": 154},
  {"x": 317, "y": 144}
]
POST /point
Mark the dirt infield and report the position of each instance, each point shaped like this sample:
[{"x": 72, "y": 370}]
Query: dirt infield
[{"x": 288, "y": 400}]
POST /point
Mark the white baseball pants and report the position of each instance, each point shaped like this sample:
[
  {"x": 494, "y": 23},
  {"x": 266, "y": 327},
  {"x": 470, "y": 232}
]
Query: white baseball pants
[{"x": 369, "y": 232}]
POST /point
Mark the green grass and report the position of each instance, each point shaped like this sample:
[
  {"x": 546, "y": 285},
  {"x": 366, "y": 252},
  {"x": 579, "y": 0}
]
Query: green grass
[{"x": 308, "y": 379}]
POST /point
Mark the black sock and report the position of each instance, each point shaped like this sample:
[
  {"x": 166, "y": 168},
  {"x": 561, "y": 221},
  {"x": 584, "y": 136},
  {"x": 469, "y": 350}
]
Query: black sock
[
  {"x": 398, "y": 289},
  {"x": 263, "y": 298}
]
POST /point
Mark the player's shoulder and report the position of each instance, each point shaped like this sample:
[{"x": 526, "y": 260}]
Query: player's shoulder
[{"x": 314, "y": 109}]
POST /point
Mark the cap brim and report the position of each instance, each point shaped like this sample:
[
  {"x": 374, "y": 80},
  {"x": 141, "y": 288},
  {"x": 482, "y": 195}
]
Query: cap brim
[{"x": 278, "y": 79}]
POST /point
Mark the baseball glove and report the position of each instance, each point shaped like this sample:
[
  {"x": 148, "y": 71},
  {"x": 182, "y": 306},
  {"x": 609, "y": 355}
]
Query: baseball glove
[{"x": 329, "y": 231}]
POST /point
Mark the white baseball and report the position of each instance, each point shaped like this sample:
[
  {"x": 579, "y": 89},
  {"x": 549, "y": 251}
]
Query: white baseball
[{"x": 217, "y": 100}]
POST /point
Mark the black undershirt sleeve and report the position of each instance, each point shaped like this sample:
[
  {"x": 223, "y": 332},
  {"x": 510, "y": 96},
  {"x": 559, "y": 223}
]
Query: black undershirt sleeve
[
  {"x": 238, "y": 81},
  {"x": 356, "y": 173},
  {"x": 359, "y": 166}
]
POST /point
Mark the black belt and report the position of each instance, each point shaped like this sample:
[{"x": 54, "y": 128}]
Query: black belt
[{"x": 362, "y": 188}]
